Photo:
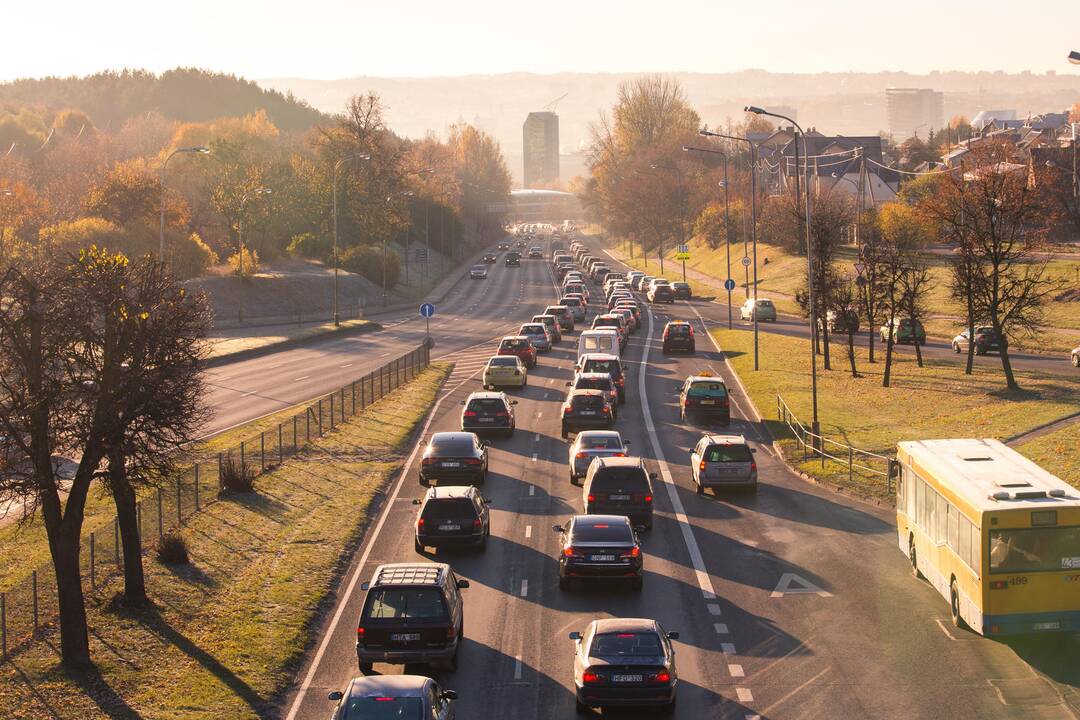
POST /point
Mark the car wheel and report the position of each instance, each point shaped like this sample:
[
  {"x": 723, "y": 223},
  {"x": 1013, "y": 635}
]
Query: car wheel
[
  {"x": 1076, "y": 360},
  {"x": 693, "y": 349},
  {"x": 565, "y": 431},
  {"x": 954, "y": 603},
  {"x": 418, "y": 546},
  {"x": 700, "y": 488},
  {"x": 956, "y": 348},
  {"x": 365, "y": 667},
  {"x": 482, "y": 545},
  {"x": 668, "y": 709},
  {"x": 637, "y": 583},
  {"x": 564, "y": 583},
  {"x": 573, "y": 479},
  {"x": 581, "y": 708},
  {"x": 424, "y": 482}
]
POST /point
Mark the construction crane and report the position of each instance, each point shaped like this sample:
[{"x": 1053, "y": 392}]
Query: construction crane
[{"x": 550, "y": 107}]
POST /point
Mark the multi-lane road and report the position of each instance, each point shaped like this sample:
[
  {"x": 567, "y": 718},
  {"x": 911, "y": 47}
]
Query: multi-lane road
[{"x": 790, "y": 603}]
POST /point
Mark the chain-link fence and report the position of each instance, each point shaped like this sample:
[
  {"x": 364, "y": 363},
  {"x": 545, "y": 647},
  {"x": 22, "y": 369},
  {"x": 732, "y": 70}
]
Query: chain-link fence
[{"x": 31, "y": 605}]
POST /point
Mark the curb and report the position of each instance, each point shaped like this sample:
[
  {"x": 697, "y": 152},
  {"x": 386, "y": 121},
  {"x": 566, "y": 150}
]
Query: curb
[{"x": 271, "y": 348}]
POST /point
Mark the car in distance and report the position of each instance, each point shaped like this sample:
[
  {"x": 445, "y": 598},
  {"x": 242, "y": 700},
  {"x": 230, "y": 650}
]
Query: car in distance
[
  {"x": 615, "y": 321},
  {"x": 660, "y": 293},
  {"x": 505, "y": 371},
  {"x": 550, "y": 322},
  {"x": 619, "y": 486},
  {"x": 575, "y": 307},
  {"x": 454, "y": 457},
  {"x": 599, "y": 547},
  {"x": 586, "y": 409},
  {"x": 723, "y": 461},
  {"x": 641, "y": 282},
  {"x": 478, "y": 272},
  {"x": 503, "y": 246},
  {"x": 845, "y": 322},
  {"x": 590, "y": 444},
  {"x": 904, "y": 331},
  {"x": 682, "y": 290},
  {"x": 598, "y": 381},
  {"x": 678, "y": 335},
  {"x": 563, "y": 315},
  {"x": 519, "y": 346},
  {"x": 620, "y": 662},
  {"x": 536, "y": 252},
  {"x": 413, "y": 613},
  {"x": 706, "y": 397},
  {"x": 537, "y": 334},
  {"x": 489, "y": 258},
  {"x": 762, "y": 308},
  {"x": 1074, "y": 357},
  {"x": 452, "y": 516},
  {"x": 512, "y": 259},
  {"x": 986, "y": 340},
  {"x": 485, "y": 411},
  {"x": 393, "y": 696}
]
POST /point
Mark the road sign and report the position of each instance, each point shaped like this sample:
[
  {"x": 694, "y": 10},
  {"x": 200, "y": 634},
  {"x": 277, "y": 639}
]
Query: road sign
[
  {"x": 729, "y": 284},
  {"x": 682, "y": 252},
  {"x": 746, "y": 261},
  {"x": 427, "y": 310}
]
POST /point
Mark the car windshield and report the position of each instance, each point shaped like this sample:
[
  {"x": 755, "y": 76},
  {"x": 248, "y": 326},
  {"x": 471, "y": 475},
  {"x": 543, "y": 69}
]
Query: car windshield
[
  {"x": 599, "y": 442},
  {"x": 606, "y": 322},
  {"x": 763, "y": 303},
  {"x": 594, "y": 383},
  {"x": 728, "y": 454},
  {"x": 505, "y": 361},
  {"x": 384, "y": 708},
  {"x": 707, "y": 389},
  {"x": 532, "y": 330},
  {"x": 608, "y": 645},
  {"x": 633, "y": 479},
  {"x": 615, "y": 532},
  {"x": 1035, "y": 550},
  {"x": 449, "y": 508},
  {"x": 678, "y": 329},
  {"x": 451, "y": 447},
  {"x": 486, "y": 405},
  {"x": 571, "y": 302},
  {"x": 478, "y": 267},
  {"x": 391, "y": 603}
]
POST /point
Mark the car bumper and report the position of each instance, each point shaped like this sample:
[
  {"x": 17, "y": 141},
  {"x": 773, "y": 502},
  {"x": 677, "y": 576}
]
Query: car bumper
[
  {"x": 428, "y": 540},
  {"x": 599, "y": 571},
  {"x": 588, "y": 423},
  {"x": 732, "y": 482},
  {"x": 481, "y": 427},
  {"x": 1067, "y": 621},
  {"x": 623, "y": 697},
  {"x": 406, "y": 656},
  {"x": 470, "y": 476},
  {"x": 679, "y": 345}
]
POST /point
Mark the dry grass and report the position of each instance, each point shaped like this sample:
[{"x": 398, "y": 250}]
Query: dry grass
[
  {"x": 230, "y": 342},
  {"x": 1058, "y": 452}
]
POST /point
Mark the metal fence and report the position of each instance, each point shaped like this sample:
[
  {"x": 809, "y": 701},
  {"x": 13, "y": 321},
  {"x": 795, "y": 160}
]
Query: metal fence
[
  {"x": 31, "y": 605},
  {"x": 813, "y": 445}
]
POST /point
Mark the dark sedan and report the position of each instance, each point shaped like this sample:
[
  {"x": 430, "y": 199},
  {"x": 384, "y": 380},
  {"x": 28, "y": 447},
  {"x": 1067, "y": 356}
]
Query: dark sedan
[
  {"x": 489, "y": 258},
  {"x": 986, "y": 340},
  {"x": 599, "y": 547},
  {"x": 682, "y": 290},
  {"x": 393, "y": 696},
  {"x": 624, "y": 662},
  {"x": 457, "y": 457}
]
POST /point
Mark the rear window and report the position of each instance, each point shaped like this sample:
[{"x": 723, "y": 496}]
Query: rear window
[
  {"x": 404, "y": 603},
  {"x": 452, "y": 447},
  {"x": 601, "y": 532},
  {"x": 384, "y": 708},
  {"x": 486, "y": 405},
  {"x": 606, "y": 322},
  {"x": 678, "y": 329},
  {"x": 626, "y": 644},
  {"x": 503, "y": 361},
  {"x": 602, "y": 442},
  {"x": 532, "y": 330},
  {"x": 611, "y": 367},
  {"x": 600, "y": 383},
  {"x": 764, "y": 303},
  {"x": 728, "y": 454},
  {"x": 571, "y": 302},
  {"x": 633, "y": 479},
  {"x": 554, "y": 310},
  {"x": 587, "y": 401},
  {"x": 707, "y": 389},
  {"x": 449, "y": 509},
  {"x": 514, "y": 344}
]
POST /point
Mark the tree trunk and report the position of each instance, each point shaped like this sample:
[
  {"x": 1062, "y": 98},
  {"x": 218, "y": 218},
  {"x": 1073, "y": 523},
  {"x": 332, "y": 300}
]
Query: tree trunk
[
  {"x": 825, "y": 343},
  {"x": 1006, "y": 364},
  {"x": 971, "y": 335},
  {"x": 918, "y": 345},
  {"x": 888, "y": 355},
  {"x": 74, "y": 638},
  {"x": 851, "y": 352},
  {"x": 128, "y": 521},
  {"x": 870, "y": 322}
]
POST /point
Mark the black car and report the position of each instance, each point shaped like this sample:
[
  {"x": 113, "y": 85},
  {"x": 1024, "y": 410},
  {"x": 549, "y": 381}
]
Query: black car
[
  {"x": 599, "y": 547},
  {"x": 513, "y": 259},
  {"x": 455, "y": 516},
  {"x": 393, "y": 696},
  {"x": 586, "y": 409},
  {"x": 986, "y": 340},
  {"x": 455, "y": 457},
  {"x": 602, "y": 362},
  {"x": 503, "y": 246},
  {"x": 661, "y": 293},
  {"x": 488, "y": 411},
  {"x": 489, "y": 259},
  {"x": 622, "y": 662},
  {"x": 682, "y": 290},
  {"x": 413, "y": 613},
  {"x": 619, "y": 486},
  {"x": 678, "y": 335},
  {"x": 704, "y": 396}
]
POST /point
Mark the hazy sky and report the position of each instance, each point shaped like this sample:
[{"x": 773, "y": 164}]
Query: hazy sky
[{"x": 335, "y": 39}]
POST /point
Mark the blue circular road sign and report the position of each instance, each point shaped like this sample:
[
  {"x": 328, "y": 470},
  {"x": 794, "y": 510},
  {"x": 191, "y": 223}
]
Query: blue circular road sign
[
  {"x": 729, "y": 284},
  {"x": 427, "y": 310}
]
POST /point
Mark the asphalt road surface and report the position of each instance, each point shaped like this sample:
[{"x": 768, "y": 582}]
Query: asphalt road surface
[{"x": 791, "y": 603}]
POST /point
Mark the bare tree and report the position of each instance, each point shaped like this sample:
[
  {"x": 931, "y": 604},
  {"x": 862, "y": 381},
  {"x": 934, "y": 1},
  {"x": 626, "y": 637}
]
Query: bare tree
[
  {"x": 890, "y": 299},
  {"x": 846, "y": 300},
  {"x": 915, "y": 285},
  {"x": 964, "y": 269}
]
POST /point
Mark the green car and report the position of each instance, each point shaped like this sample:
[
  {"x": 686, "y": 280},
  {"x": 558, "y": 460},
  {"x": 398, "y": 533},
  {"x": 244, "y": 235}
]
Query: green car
[
  {"x": 762, "y": 308},
  {"x": 905, "y": 331},
  {"x": 505, "y": 371}
]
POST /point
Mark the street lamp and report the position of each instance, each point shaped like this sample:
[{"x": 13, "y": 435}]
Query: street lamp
[
  {"x": 240, "y": 237},
  {"x": 198, "y": 150},
  {"x": 727, "y": 224},
  {"x": 423, "y": 171},
  {"x": 389, "y": 198},
  {"x": 816, "y": 427},
  {"x": 337, "y": 167}
]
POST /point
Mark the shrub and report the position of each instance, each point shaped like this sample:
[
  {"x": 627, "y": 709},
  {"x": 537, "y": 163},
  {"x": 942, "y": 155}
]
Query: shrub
[
  {"x": 173, "y": 549},
  {"x": 310, "y": 245},
  {"x": 236, "y": 477},
  {"x": 367, "y": 260},
  {"x": 250, "y": 264},
  {"x": 189, "y": 256}
]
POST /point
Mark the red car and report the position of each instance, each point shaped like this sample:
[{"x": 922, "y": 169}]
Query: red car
[{"x": 518, "y": 345}]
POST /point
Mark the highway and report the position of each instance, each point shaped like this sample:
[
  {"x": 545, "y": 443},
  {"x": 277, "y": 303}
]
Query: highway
[{"x": 791, "y": 603}]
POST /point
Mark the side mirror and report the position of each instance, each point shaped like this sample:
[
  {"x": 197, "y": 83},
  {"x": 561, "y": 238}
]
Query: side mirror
[
  {"x": 641, "y": 528},
  {"x": 626, "y": 442},
  {"x": 653, "y": 476},
  {"x": 365, "y": 586},
  {"x": 569, "y": 384},
  {"x": 462, "y": 584},
  {"x": 575, "y": 636},
  {"x": 448, "y": 695},
  {"x": 462, "y": 402},
  {"x": 673, "y": 636},
  {"x": 557, "y": 528},
  {"x": 416, "y": 501},
  {"x": 753, "y": 450},
  {"x": 513, "y": 402},
  {"x": 335, "y": 696}
]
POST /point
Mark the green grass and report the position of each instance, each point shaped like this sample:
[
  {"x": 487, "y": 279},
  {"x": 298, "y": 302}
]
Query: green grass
[
  {"x": 937, "y": 401},
  {"x": 1058, "y": 452},
  {"x": 225, "y": 635}
]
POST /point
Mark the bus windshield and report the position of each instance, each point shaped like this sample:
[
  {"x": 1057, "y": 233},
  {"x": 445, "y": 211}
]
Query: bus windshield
[{"x": 1035, "y": 550}]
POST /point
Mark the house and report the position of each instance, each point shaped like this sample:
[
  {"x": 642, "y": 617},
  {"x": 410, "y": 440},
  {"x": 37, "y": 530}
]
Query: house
[{"x": 845, "y": 164}]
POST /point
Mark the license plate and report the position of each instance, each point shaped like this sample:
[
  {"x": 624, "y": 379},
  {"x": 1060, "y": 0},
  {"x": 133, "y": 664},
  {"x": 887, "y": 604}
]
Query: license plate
[
  {"x": 451, "y": 464},
  {"x": 602, "y": 558},
  {"x": 487, "y": 419},
  {"x": 449, "y": 527},
  {"x": 708, "y": 402},
  {"x": 626, "y": 678},
  {"x": 587, "y": 412},
  {"x": 618, "y": 497},
  {"x": 1047, "y": 626},
  {"x": 405, "y": 637}
]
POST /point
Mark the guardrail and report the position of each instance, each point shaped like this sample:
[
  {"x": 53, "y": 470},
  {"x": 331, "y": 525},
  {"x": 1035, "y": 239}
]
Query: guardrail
[
  {"x": 816, "y": 445},
  {"x": 30, "y": 606}
]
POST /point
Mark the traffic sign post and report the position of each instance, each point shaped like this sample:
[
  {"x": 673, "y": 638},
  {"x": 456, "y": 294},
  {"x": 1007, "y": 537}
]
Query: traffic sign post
[
  {"x": 729, "y": 285},
  {"x": 746, "y": 275},
  {"x": 683, "y": 253},
  {"x": 426, "y": 311}
]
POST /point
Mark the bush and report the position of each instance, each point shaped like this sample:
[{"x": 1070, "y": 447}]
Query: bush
[
  {"x": 236, "y": 477},
  {"x": 310, "y": 245},
  {"x": 189, "y": 256},
  {"x": 173, "y": 549},
  {"x": 367, "y": 260},
  {"x": 250, "y": 264}
]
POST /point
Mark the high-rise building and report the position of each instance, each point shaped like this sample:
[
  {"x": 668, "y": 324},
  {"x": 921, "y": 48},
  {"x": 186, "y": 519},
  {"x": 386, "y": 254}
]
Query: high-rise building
[
  {"x": 540, "y": 136},
  {"x": 914, "y": 110}
]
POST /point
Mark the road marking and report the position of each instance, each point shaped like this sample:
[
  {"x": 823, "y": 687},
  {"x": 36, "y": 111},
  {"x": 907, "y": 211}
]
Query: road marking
[
  {"x": 347, "y": 365},
  {"x": 744, "y": 695},
  {"x": 539, "y": 414},
  {"x": 805, "y": 587},
  {"x": 528, "y": 531},
  {"x": 720, "y": 628},
  {"x": 534, "y": 456},
  {"x": 713, "y": 608},
  {"x": 736, "y": 671},
  {"x": 536, "y": 437},
  {"x": 727, "y": 648},
  {"x": 517, "y": 668},
  {"x": 524, "y": 588},
  {"x": 532, "y": 490},
  {"x": 355, "y": 579},
  {"x": 302, "y": 377}
]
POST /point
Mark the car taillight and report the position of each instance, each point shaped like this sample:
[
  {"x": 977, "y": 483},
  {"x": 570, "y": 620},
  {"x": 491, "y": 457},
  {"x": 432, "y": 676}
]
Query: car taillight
[
  {"x": 470, "y": 413},
  {"x": 472, "y": 461},
  {"x": 701, "y": 466},
  {"x": 618, "y": 455},
  {"x": 691, "y": 331},
  {"x": 632, "y": 554},
  {"x": 360, "y": 634},
  {"x": 384, "y": 699},
  {"x": 621, "y": 381},
  {"x": 427, "y": 461},
  {"x": 502, "y": 414},
  {"x": 663, "y": 677},
  {"x": 606, "y": 410},
  {"x": 590, "y": 677},
  {"x": 591, "y": 498},
  {"x": 725, "y": 403},
  {"x": 648, "y": 499},
  {"x": 999, "y": 584},
  {"x": 753, "y": 466},
  {"x": 476, "y": 523},
  {"x": 420, "y": 522},
  {"x": 581, "y": 455},
  {"x": 451, "y": 632}
]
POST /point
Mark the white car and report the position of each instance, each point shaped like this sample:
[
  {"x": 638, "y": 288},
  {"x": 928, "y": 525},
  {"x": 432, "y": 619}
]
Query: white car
[
  {"x": 478, "y": 272},
  {"x": 1076, "y": 357}
]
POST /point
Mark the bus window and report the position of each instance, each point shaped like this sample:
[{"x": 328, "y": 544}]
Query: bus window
[{"x": 1034, "y": 550}]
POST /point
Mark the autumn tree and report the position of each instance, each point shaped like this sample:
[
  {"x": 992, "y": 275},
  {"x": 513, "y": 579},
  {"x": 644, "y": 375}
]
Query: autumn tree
[{"x": 845, "y": 301}]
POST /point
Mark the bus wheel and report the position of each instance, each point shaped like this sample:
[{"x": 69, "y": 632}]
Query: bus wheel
[
  {"x": 954, "y": 602},
  {"x": 914, "y": 559}
]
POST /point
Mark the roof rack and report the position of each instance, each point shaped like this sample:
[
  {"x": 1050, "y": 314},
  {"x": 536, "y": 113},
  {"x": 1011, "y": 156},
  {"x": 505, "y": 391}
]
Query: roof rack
[{"x": 409, "y": 575}]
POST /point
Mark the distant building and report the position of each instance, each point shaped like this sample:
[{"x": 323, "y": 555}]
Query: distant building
[
  {"x": 911, "y": 110},
  {"x": 552, "y": 206},
  {"x": 540, "y": 140}
]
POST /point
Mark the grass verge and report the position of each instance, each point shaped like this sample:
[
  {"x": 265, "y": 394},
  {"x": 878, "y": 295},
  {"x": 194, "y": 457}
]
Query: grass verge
[
  {"x": 936, "y": 401},
  {"x": 224, "y": 635},
  {"x": 230, "y": 342},
  {"x": 1058, "y": 452}
]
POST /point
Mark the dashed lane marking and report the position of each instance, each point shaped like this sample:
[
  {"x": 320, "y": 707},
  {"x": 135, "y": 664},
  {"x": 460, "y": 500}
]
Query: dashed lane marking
[
  {"x": 302, "y": 377},
  {"x": 736, "y": 671},
  {"x": 727, "y": 648},
  {"x": 713, "y": 609},
  {"x": 744, "y": 695},
  {"x": 720, "y": 628},
  {"x": 517, "y": 667},
  {"x": 528, "y": 531},
  {"x": 524, "y": 588}
]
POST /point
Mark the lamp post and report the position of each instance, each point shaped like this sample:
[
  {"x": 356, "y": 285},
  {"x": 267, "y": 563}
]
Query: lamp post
[
  {"x": 816, "y": 427},
  {"x": 337, "y": 167},
  {"x": 674, "y": 170},
  {"x": 198, "y": 150},
  {"x": 389, "y": 198},
  {"x": 240, "y": 237},
  {"x": 410, "y": 174}
]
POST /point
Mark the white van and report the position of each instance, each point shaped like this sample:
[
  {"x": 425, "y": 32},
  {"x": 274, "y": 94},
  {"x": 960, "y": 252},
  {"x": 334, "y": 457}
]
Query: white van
[{"x": 601, "y": 340}]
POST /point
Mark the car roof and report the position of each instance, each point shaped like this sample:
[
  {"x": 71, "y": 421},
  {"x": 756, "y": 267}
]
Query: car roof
[
  {"x": 726, "y": 439},
  {"x": 678, "y": 322},
  {"x": 449, "y": 492},
  {"x": 532, "y": 325},
  {"x": 488, "y": 394},
  {"x": 611, "y": 625},
  {"x": 580, "y": 392},
  {"x": 599, "y": 433},
  {"x": 388, "y": 686},
  {"x": 706, "y": 378},
  {"x": 621, "y": 462},
  {"x": 593, "y": 520},
  {"x": 594, "y": 375},
  {"x": 513, "y": 337},
  {"x": 416, "y": 573},
  {"x": 453, "y": 435},
  {"x": 599, "y": 356}
]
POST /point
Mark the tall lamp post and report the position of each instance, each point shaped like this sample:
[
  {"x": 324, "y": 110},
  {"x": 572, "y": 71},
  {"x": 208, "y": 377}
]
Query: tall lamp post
[
  {"x": 199, "y": 150},
  {"x": 240, "y": 237},
  {"x": 410, "y": 174},
  {"x": 337, "y": 167},
  {"x": 389, "y": 198},
  {"x": 674, "y": 170},
  {"x": 727, "y": 222},
  {"x": 816, "y": 427}
]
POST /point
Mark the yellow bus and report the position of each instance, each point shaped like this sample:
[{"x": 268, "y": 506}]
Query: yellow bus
[{"x": 997, "y": 535}]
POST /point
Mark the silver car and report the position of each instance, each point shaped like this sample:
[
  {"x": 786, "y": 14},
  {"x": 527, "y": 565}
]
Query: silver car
[
  {"x": 723, "y": 461},
  {"x": 591, "y": 444}
]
